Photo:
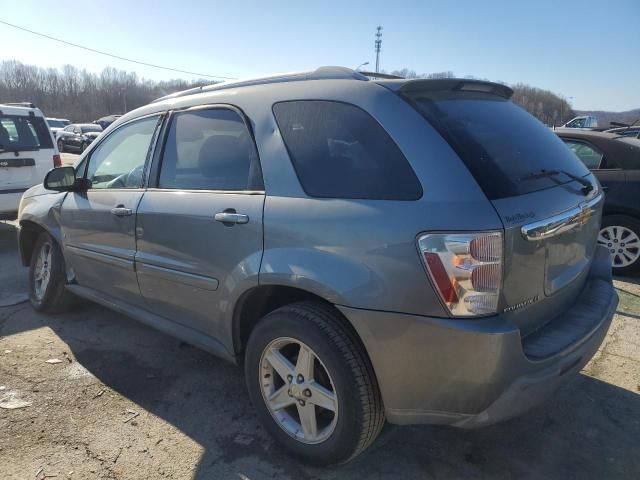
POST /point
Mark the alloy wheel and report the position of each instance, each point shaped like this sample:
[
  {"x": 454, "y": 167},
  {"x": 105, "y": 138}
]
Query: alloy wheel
[
  {"x": 623, "y": 245},
  {"x": 298, "y": 390},
  {"x": 42, "y": 271}
]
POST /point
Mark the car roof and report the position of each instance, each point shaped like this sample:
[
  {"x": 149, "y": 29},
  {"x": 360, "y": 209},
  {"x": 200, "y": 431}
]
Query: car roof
[
  {"x": 19, "y": 110},
  {"x": 586, "y": 134},
  {"x": 343, "y": 73}
]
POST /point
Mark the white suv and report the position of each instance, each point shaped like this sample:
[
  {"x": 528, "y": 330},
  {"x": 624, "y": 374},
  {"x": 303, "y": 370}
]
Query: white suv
[{"x": 27, "y": 153}]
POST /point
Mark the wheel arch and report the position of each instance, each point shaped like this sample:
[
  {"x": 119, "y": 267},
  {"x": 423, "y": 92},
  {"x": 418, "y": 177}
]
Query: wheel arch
[{"x": 261, "y": 300}]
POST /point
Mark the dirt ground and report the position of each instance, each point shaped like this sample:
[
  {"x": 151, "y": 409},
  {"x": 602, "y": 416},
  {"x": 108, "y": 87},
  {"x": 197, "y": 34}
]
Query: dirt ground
[{"x": 127, "y": 402}]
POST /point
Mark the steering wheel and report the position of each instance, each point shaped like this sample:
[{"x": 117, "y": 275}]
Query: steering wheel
[{"x": 131, "y": 179}]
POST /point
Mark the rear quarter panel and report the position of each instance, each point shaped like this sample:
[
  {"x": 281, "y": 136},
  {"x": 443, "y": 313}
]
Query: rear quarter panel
[{"x": 361, "y": 253}]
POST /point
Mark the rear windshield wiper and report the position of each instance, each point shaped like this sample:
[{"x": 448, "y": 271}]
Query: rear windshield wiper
[{"x": 587, "y": 186}]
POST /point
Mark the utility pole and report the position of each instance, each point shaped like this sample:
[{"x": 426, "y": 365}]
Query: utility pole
[{"x": 378, "y": 47}]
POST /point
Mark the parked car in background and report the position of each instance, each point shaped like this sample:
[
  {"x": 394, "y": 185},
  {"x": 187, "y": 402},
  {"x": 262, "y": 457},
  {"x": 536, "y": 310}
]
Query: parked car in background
[
  {"x": 104, "y": 122},
  {"x": 367, "y": 249},
  {"x": 632, "y": 130},
  {"x": 615, "y": 160},
  {"x": 56, "y": 125},
  {"x": 77, "y": 136},
  {"x": 584, "y": 121},
  {"x": 27, "y": 153}
]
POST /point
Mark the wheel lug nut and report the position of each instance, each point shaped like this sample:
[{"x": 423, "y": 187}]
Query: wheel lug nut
[
  {"x": 300, "y": 379},
  {"x": 301, "y": 402},
  {"x": 289, "y": 392},
  {"x": 289, "y": 378},
  {"x": 307, "y": 392}
]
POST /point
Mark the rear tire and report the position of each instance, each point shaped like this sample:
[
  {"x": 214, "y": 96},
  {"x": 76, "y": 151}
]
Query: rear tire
[
  {"x": 47, "y": 278},
  {"x": 620, "y": 234},
  {"x": 339, "y": 376},
  {"x": 60, "y": 146}
]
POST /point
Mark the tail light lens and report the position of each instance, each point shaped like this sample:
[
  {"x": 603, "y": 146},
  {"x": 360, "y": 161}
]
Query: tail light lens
[
  {"x": 57, "y": 162},
  {"x": 466, "y": 270}
]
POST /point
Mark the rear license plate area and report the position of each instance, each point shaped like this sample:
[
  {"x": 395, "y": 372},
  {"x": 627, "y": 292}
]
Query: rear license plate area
[{"x": 17, "y": 162}]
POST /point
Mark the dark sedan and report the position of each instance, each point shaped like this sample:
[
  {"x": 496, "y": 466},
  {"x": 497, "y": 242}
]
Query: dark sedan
[
  {"x": 77, "y": 136},
  {"x": 615, "y": 160}
]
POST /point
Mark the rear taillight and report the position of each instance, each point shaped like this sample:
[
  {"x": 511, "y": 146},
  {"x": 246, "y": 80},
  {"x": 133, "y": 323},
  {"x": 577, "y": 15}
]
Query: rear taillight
[
  {"x": 56, "y": 161},
  {"x": 466, "y": 270}
]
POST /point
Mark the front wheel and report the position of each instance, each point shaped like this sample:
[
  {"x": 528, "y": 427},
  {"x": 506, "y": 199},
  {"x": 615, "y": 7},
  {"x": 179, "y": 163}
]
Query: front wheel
[
  {"x": 83, "y": 147},
  {"x": 620, "y": 234},
  {"x": 60, "y": 146},
  {"x": 47, "y": 279},
  {"x": 312, "y": 384}
]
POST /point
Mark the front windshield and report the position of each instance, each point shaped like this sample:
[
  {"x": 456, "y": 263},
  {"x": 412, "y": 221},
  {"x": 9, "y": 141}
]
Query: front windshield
[
  {"x": 91, "y": 128},
  {"x": 55, "y": 123}
]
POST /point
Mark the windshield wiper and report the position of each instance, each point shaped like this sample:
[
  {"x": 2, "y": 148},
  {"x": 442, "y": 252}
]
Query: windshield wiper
[{"x": 587, "y": 186}]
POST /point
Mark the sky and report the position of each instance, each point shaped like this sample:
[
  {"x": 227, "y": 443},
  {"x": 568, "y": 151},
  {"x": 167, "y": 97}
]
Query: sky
[{"x": 584, "y": 50}]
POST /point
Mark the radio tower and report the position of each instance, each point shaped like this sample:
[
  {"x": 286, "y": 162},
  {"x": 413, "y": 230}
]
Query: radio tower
[{"x": 378, "y": 47}]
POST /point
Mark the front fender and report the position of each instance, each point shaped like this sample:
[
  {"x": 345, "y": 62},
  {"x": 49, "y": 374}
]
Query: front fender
[{"x": 41, "y": 212}]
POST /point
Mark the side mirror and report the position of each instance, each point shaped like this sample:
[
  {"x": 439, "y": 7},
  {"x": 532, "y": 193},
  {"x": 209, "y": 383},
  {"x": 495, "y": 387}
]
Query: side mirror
[{"x": 62, "y": 179}]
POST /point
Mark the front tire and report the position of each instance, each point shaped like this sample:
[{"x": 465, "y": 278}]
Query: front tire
[
  {"x": 83, "y": 147},
  {"x": 60, "y": 146},
  {"x": 47, "y": 279},
  {"x": 312, "y": 384},
  {"x": 620, "y": 234}
]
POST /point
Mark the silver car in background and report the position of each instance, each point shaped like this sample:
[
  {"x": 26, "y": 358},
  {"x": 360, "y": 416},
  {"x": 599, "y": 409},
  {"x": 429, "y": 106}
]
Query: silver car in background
[{"x": 420, "y": 251}]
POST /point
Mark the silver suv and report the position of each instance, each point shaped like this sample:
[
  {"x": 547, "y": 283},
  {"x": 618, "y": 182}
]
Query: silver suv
[{"x": 420, "y": 251}]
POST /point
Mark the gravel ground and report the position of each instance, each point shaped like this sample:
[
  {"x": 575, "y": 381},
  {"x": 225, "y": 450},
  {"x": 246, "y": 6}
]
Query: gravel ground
[{"x": 127, "y": 402}]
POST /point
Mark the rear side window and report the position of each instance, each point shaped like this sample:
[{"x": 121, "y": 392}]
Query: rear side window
[
  {"x": 589, "y": 155},
  {"x": 340, "y": 151},
  {"x": 209, "y": 150},
  {"x": 508, "y": 151},
  {"x": 18, "y": 132}
]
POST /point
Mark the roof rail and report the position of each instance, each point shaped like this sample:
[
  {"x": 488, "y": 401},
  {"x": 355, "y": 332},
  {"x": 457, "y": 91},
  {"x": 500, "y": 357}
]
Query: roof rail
[
  {"x": 321, "y": 73},
  {"x": 386, "y": 76}
]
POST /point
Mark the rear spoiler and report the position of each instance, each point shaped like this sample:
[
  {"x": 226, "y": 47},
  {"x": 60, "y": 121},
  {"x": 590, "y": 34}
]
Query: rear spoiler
[{"x": 455, "y": 84}]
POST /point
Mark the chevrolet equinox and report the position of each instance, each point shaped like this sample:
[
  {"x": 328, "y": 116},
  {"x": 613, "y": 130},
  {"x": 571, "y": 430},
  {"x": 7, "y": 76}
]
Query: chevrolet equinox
[{"x": 370, "y": 250}]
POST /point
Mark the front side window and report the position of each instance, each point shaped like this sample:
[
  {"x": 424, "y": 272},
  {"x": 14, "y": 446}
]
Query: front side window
[
  {"x": 591, "y": 157},
  {"x": 340, "y": 151},
  {"x": 119, "y": 160},
  {"x": 209, "y": 150}
]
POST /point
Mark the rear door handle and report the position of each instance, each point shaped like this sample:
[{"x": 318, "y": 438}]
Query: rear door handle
[
  {"x": 229, "y": 217},
  {"x": 121, "y": 211}
]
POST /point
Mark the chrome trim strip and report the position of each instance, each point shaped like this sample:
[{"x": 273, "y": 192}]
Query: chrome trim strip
[{"x": 562, "y": 222}]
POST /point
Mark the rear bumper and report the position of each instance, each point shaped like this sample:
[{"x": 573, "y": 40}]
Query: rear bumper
[
  {"x": 471, "y": 373},
  {"x": 9, "y": 201}
]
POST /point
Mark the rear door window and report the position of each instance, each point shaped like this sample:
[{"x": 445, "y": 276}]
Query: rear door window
[
  {"x": 589, "y": 154},
  {"x": 340, "y": 151},
  {"x": 209, "y": 150},
  {"x": 508, "y": 151},
  {"x": 22, "y": 132}
]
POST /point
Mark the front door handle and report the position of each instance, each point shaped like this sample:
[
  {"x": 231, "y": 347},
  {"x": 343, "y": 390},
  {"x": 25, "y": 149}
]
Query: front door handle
[
  {"x": 231, "y": 217},
  {"x": 121, "y": 211}
]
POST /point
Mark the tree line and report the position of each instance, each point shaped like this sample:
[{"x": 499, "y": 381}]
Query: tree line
[
  {"x": 79, "y": 95},
  {"x": 83, "y": 96}
]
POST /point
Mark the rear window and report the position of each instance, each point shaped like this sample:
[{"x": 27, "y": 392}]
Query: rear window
[
  {"x": 19, "y": 132},
  {"x": 340, "y": 151},
  {"x": 508, "y": 151}
]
